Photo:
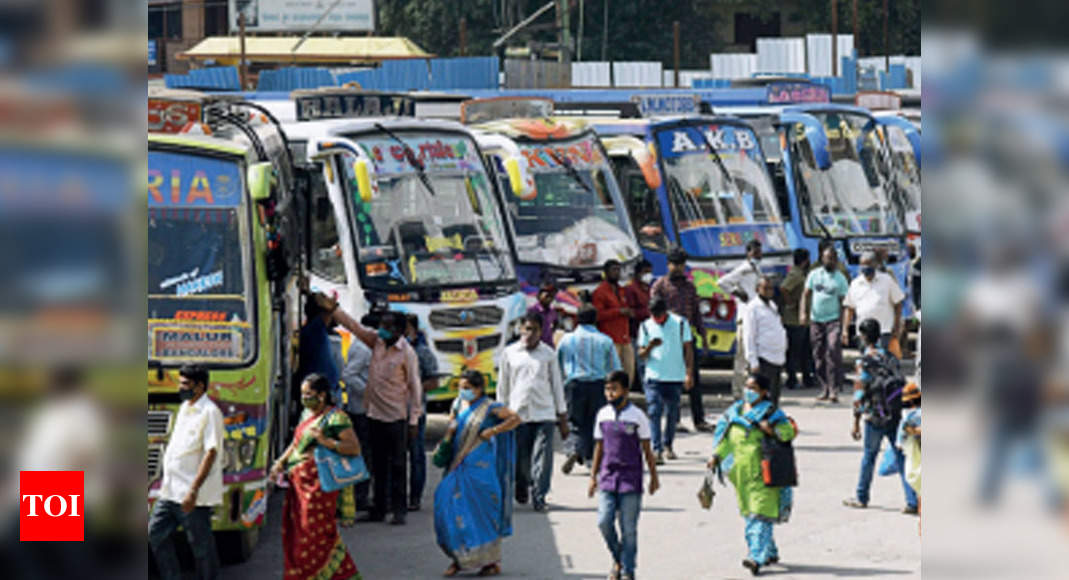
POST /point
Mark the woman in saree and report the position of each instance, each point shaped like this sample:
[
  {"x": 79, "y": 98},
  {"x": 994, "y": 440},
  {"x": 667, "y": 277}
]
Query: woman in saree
[
  {"x": 311, "y": 545},
  {"x": 737, "y": 450},
  {"x": 473, "y": 503}
]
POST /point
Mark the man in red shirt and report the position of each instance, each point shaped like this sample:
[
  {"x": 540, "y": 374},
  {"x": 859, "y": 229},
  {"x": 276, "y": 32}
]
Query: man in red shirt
[
  {"x": 637, "y": 296},
  {"x": 614, "y": 315}
]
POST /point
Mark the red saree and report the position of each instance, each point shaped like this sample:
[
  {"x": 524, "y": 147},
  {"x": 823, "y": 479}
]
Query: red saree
[{"x": 311, "y": 545}]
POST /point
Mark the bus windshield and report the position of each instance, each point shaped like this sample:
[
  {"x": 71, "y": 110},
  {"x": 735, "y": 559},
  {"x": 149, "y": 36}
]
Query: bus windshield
[
  {"x": 720, "y": 190},
  {"x": 849, "y": 198},
  {"x": 907, "y": 176},
  {"x": 199, "y": 297},
  {"x": 576, "y": 217},
  {"x": 438, "y": 228}
]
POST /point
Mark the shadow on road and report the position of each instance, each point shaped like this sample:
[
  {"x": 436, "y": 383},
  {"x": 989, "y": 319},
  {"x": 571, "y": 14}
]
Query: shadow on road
[{"x": 794, "y": 570}]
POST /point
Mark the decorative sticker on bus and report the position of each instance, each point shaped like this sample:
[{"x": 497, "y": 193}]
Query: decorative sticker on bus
[
  {"x": 724, "y": 139},
  {"x": 215, "y": 344},
  {"x": 788, "y": 93},
  {"x": 436, "y": 153},
  {"x": 177, "y": 180},
  {"x": 582, "y": 155},
  {"x": 348, "y": 104}
]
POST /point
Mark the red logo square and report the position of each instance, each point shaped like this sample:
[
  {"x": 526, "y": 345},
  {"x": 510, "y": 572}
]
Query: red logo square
[{"x": 51, "y": 506}]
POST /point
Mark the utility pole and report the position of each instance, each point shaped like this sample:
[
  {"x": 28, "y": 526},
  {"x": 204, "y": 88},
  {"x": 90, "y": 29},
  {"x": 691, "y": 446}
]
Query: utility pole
[
  {"x": 463, "y": 36},
  {"x": 605, "y": 31},
  {"x": 579, "y": 47},
  {"x": 243, "y": 68},
  {"x": 834, "y": 39},
  {"x": 565, "y": 34},
  {"x": 886, "y": 54},
  {"x": 853, "y": 16},
  {"x": 675, "y": 51}
]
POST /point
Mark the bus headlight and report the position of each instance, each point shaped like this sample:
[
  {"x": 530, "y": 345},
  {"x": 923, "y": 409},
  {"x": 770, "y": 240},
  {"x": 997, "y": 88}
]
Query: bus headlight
[
  {"x": 723, "y": 311},
  {"x": 705, "y": 307}
]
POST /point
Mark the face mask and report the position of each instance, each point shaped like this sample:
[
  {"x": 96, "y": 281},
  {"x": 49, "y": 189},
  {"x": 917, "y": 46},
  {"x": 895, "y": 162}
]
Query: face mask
[
  {"x": 829, "y": 267},
  {"x": 868, "y": 271},
  {"x": 755, "y": 261},
  {"x": 467, "y": 394},
  {"x": 615, "y": 402},
  {"x": 660, "y": 319},
  {"x": 385, "y": 335},
  {"x": 310, "y": 402},
  {"x": 185, "y": 394},
  {"x": 677, "y": 274},
  {"x": 647, "y": 278},
  {"x": 751, "y": 396}
]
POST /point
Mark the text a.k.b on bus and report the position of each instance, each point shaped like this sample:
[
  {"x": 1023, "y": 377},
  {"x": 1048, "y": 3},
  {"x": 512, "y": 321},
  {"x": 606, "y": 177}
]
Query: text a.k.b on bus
[
  {"x": 222, "y": 289},
  {"x": 699, "y": 182},
  {"x": 564, "y": 209},
  {"x": 403, "y": 215}
]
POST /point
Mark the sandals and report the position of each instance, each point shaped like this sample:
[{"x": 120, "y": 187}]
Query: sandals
[
  {"x": 451, "y": 571},
  {"x": 490, "y": 570},
  {"x": 854, "y": 503},
  {"x": 614, "y": 573}
]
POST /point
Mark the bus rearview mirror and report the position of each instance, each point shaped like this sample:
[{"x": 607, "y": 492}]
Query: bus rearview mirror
[{"x": 258, "y": 177}]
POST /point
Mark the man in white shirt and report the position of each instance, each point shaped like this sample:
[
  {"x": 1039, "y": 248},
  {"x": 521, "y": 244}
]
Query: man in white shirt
[
  {"x": 529, "y": 383},
  {"x": 764, "y": 337},
  {"x": 192, "y": 479},
  {"x": 876, "y": 295},
  {"x": 741, "y": 282}
]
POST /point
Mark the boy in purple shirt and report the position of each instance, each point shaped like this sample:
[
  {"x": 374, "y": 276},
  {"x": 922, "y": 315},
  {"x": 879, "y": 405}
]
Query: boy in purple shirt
[
  {"x": 544, "y": 308},
  {"x": 622, "y": 433}
]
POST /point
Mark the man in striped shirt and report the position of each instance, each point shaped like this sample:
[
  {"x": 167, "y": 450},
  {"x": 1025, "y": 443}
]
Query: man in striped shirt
[{"x": 586, "y": 358}]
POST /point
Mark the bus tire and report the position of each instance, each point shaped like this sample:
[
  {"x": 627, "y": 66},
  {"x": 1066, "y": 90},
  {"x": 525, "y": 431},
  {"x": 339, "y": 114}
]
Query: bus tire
[{"x": 236, "y": 547}]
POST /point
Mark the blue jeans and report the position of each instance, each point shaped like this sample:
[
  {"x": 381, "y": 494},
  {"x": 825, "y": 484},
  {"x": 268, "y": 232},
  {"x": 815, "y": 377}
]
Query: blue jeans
[
  {"x": 165, "y": 518},
  {"x": 872, "y": 438},
  {"x": 624, "y": 507},
  {"x": 534, "y": 459},
  {"x": 417, "y": 457},
  {"x": 663, "y": 397}
]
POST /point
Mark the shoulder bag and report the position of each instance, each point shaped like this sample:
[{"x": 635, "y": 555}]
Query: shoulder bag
[{"x": 336, "y": 470}]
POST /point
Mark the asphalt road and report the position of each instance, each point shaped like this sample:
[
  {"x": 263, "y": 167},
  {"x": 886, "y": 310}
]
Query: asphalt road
[{"x": 677, "y": 539}]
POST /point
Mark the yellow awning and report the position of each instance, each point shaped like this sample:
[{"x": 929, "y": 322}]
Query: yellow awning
[{"x": 275, "y": 49}]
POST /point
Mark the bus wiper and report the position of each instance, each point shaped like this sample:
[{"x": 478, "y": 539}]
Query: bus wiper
[
  {"x": 410, "y": 157},
  {"x": 720, "y": 164},
  {"x": 570, "y": 170}
]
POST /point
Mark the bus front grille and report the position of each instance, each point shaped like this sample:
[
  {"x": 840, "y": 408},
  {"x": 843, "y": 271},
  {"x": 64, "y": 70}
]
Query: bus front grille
[
  {"x": 159, "y": 423},
  {"x": 456, "y": 346},
  {"x": 466, "y": 317},
  {"x": 155, "y": 457}
]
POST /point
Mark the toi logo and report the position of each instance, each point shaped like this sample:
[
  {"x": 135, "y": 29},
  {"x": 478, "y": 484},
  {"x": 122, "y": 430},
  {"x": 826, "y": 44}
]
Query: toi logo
[{"x": 51, "y": 506}]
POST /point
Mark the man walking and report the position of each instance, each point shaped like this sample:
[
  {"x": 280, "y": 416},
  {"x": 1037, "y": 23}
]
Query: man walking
[
  {"x": 192, "y": 481},
  {"x": 666, "y": 344},
  {"x": 614, "y": 315},
  {"x": 586, "y": 358},
  {"x": 741, "y": 282},
  {"x": 681, "y": 298},
  {"x": 763, "y": 337},
  {"x": 876, "y": 295},
  {"x": 821, "y": 307},
  {"x": 799, "y": 354},
  {"x": 530, "y": 385}
]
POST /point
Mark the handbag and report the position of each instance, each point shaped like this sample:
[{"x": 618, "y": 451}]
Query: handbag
[
  {"x": 336, "y": 470},
  {"x": 706, "y": 492},
  {"x": 443, "y": 453},
  {"x": 778, "y": 467},
  {"x": 889, "y": 464}
]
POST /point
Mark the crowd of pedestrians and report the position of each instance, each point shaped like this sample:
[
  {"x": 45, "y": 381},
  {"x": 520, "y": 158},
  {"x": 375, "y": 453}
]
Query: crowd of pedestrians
[{"x": 499, "y": 449}]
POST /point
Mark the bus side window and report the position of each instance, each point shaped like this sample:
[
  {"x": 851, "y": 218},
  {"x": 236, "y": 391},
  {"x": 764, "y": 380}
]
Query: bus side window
[
  {"x": 644, "y": 209},
  {"x": 325, "y": 249}
]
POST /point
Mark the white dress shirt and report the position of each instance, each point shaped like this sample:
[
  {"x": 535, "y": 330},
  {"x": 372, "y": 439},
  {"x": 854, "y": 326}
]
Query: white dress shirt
[
  {"x": 197, "y": 429},
  {"x": 875, "y": 299},
  {"x": 762, "y": 333},
  {"x": 529, "y": 382},
  {"x": 743, "y": 277}
]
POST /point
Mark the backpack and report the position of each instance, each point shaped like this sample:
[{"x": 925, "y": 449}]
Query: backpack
[{"x": 884, "y": 390}]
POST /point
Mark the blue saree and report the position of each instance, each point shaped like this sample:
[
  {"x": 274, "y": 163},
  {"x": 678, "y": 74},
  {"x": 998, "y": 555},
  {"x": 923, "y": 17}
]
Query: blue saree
[{"x": 473, "y": 503}]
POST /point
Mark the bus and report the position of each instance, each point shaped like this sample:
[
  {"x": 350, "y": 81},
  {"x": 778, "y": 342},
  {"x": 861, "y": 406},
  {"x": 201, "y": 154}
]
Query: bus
[
  {"x": 403, "y": 215},
  {"x": 699, "y": 182},
  {"x": 222, "y": 290},
  {"x": 565, "y": 211}
]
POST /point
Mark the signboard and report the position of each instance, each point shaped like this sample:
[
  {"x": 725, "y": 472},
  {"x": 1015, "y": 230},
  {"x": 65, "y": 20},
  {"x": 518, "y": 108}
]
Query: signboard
[
  {"x": 170, "y": 116},
  {"x": 687, "y": 139},
  {"x": 652, "y": 105},
  {"x": 878, "y": 101},
  {"x": 208, "y": 344},
  {"x": 345, "y": 104},
  {"x": 179, "y": 180},
  {"x": 301, "y": 15},
  {"x": 152, "y": 52},
  {"x": 436, "y": 152},
  {"x": 793, "y": 93},
  {"x": 479, "y": 110}
]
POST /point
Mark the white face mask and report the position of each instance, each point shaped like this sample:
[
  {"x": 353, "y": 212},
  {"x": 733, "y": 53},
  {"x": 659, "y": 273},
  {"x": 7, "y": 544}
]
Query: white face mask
[{"x": 647, "y": 278}]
